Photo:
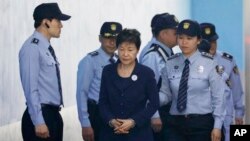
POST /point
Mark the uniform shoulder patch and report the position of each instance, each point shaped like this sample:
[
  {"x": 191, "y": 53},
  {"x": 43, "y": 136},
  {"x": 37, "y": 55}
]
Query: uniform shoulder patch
[
  {"x": 227, "y": 56},
  {"x": 94, "y": 53},
  {"x": 174, "y": 56},
  {"x": 35, "y": 41},
  {"x": 205, "y": 54},
  {"x": 153, "y": 47}
]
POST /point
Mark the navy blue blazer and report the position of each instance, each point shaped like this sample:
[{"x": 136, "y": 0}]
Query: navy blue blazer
[{"x": 138, "y": 99}]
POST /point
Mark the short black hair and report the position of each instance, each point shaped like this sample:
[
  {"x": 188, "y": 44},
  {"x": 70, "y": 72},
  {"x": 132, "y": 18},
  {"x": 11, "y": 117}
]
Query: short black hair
[
  {"x": 39, "y": 22},
  {"x": 129, "y": 35}
]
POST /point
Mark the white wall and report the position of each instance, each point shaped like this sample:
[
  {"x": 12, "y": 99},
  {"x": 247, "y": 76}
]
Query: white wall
[{"x": 79, "y": 36}]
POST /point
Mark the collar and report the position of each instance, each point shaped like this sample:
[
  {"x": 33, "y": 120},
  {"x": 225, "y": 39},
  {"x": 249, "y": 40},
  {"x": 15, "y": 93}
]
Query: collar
[
  {"x": 166, "y": 48},
  {"x": 217, "y": 54},
  {"x": 103, "y": 53},
  {"x": 42, "y": 39},
  {"x": 192, "y": 58}
]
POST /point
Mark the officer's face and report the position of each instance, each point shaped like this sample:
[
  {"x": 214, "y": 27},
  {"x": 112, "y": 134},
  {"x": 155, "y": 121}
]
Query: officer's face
[
  {"x": 127, "y": 53},
  {"x": 54, "y": 28},
  {"x": 108, "y": 44},
  {"x": 213, "y": 48},
  {"x": 168, "y": 37},
  {"x": 188, "y": 44}
]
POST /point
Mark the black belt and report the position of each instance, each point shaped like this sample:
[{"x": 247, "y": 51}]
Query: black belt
[
  {"x": 52, "y": 107},
  {"x": 192, "y": 115}
]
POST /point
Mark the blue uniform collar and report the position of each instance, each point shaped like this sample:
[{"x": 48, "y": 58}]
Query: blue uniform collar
[
  {"x": 166, "y": 48},
  {"x": 103, "y": 53},
  {"x": 192, "y": 58},
  {"x": 42, "y": 40}
]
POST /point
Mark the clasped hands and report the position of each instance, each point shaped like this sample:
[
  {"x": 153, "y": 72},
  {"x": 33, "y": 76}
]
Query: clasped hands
[{"x": 122, "y": 126}]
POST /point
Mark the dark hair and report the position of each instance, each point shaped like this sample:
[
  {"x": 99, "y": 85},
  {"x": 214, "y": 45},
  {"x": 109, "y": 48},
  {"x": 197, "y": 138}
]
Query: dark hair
[
  {"x": 204, "y": 46},
  {"x": 129, "y": 35},
  {"x": 154, "y": 23},
  {"x": 39, "y": 22}
]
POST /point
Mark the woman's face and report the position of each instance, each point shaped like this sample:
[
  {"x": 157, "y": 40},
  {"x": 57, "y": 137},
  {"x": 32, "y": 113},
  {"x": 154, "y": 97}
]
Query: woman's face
[
  {"x": 127, "y": 53},
  {"x": 188, "y": 44}
]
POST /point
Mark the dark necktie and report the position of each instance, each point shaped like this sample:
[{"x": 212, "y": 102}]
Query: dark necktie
[
  {"x": 52, "y": 52},
  {"x": 112, "y": 59},
  {"x": 182, "y": 93}
]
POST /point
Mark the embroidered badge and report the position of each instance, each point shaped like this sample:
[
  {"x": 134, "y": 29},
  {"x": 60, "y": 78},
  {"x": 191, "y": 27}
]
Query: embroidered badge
[
  {"x": 35, "y": 41},
  {"x": 207, "y": 30},
  {"x": 219, "y": 69},
  {"x": 200, "y": 69}
]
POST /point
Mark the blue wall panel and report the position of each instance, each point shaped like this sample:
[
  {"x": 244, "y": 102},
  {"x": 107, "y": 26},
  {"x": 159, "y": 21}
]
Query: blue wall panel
[{"x": 227, "y": 15}]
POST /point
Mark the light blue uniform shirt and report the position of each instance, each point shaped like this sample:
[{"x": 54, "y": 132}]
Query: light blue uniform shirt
[
  {"x": 234, "y": 97},
  {"x": 154, "y": 60},
  {"x": 205, "y": 92},
  {"x": 89, "y": 81},
  {"x": 146, "y": 48},
  {"x": 38, "y": 76}
]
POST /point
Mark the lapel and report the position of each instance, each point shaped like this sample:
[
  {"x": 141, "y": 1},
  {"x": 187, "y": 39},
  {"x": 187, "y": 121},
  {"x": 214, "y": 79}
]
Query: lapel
[{"x": 116, "y": 79}]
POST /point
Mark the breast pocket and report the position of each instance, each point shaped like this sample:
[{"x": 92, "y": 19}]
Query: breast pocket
[
  {"x": 200, "y": 81},
  {"x": 174, "y": 81},
  {"x": 49, "y": 65}
]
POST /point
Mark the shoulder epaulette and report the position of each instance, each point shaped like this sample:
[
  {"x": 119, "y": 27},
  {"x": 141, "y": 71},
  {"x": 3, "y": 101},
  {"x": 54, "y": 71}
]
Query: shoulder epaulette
[
  {"x": 153, "y": 47},
  {"x": 174, "y": 56},
  {"x": 94, "y": 53},
  {"x": 227, "y": 56},
  {"x": 35, "y": 41},
  {"x": 205, "y": 54}
]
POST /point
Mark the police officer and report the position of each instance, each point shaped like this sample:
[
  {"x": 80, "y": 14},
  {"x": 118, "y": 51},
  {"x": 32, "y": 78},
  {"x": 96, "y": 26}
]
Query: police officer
[
  {"x": 40, "y": 76},
  {"x": 164, "y": 33},
  {"x": 196, "y": 89},
  {"x": 227, "y": 68},
  {"x": 153, "y": 39},
  {"x": 89, "y": 80}
]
